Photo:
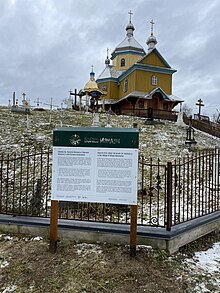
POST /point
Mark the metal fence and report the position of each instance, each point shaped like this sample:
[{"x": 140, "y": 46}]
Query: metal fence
[
  {"x": 25, "y": 182},
  {"x": 168, "y": 194}
]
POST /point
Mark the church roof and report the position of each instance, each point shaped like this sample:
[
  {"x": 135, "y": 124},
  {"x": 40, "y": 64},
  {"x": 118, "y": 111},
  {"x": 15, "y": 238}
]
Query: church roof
[
  {"x": 146, "y": 96},
  {"x": 158, "y": 54},
  {"x": 129, "y": 43},
  {"x": 171, "y": 98},
  {"x": 110, "y": 72}
]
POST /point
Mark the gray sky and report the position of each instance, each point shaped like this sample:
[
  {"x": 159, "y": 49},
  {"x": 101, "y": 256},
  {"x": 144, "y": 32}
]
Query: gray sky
[{"x": 47, "y": 47}]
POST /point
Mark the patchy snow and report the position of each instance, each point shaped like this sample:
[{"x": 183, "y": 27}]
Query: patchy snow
[
  {"x": 11, "y": 288},
  {"x": 210, "y": 259},
  {"x": 4, "y": 264},
  {"x": 85, "y": 248},
  {"x": 204, "y": 269},
  {"x": 37, "y": 238}
]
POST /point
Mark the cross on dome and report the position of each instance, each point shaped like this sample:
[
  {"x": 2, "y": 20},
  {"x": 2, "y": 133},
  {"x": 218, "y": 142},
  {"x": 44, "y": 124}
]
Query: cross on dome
[
  {"x": 152, "y": 27},
  {"x": 151, "y": 41},
  {"x": 129, "y": 12},
  {"x": 107, "y": 61}
]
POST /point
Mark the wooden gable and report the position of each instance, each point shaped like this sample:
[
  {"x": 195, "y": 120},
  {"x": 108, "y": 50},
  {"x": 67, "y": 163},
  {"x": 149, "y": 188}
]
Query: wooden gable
[{"x": 154, "y": 58}]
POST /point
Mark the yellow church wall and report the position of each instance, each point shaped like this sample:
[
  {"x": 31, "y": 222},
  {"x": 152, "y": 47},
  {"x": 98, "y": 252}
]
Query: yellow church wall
[
  {"x": 130, "y": 59},
  {"x": 153, "y": 59},
  {"x": 143, "y": 81},
  {"x": 131, "y": 80},
  {"x": 111, "y": 89}
]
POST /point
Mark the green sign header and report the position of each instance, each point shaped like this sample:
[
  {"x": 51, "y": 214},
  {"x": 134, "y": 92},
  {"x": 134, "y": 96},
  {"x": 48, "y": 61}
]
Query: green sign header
[{"x": 96, "y": 137}]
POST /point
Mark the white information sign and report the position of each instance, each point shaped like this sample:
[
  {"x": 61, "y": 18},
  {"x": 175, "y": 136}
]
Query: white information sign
[{"x": 104, "y": 175}]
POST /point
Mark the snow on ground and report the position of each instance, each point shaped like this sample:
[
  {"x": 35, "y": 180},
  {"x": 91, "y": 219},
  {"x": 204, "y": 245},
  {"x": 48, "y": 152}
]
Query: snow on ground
[
  {"x": 165, "y": 141},
  {"x": 204, "y": 268}
]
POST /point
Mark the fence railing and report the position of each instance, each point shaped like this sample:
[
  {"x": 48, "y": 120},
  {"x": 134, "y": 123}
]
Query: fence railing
[
  {"x": 196, "y": 186},
  {"x": 168, "y": 194},
  {"x": 25, "y": 182},
  {"x": 204, "y": 125},
  {"x": 149, "y": 113}
]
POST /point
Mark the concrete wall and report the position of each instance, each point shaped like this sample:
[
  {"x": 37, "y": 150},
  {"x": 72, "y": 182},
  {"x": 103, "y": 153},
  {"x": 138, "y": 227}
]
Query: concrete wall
[{"x": 158, "y": 238}]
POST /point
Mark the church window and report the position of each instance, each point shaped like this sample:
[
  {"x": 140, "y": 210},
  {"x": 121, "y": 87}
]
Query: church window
[
  {"x": 154, "y": 80},
  {"x": 104, "y": 87},
  {"x": 125, "y": 85},
  {"x": 122, "y": 62}
]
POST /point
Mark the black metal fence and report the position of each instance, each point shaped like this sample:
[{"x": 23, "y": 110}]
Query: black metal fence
[
  {"x": 25, "y": 182},
  {"x": 168, "y": 194}
]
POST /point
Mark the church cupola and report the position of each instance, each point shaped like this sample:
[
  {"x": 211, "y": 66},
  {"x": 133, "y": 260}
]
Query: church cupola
[
  {"x": 107, "y": 60},
  {"x": 91, "y": 84},
  {"x": 151, "y": 41},
  {"x": 92, "y": 74},
  {"x": 130, "y": 28},
  {"x": 128, "y": 51}
]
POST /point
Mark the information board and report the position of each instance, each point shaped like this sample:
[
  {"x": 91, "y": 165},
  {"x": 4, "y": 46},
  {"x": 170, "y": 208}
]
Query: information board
[{"x": 84, "y": 173}]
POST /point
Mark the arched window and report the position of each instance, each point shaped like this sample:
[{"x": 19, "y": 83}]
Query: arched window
[
  {"x": 122, "y": 62},
  {"x": 125, "y": 85},
  {"x": 154, "y": 80}
]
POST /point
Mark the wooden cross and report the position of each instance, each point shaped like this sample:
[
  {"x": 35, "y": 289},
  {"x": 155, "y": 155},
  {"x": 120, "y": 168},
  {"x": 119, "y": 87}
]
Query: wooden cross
[
  {"x": 152, "y": 27},
  {"x": 129, "y": 12},
  {"x": 200, "y": 104},
  {"x": 74, "y": 94}
]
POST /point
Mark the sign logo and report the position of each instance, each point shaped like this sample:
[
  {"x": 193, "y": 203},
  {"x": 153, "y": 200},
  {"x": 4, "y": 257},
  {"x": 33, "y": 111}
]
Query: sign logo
[{"x": 75, "y": 139}]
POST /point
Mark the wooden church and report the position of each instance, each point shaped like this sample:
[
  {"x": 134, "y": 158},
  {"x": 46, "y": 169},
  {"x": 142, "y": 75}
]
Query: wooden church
[{"x": 138, "y": 82}]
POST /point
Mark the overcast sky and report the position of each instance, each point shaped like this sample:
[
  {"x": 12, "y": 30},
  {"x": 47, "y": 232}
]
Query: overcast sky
[{"x": 47, "y": 47}]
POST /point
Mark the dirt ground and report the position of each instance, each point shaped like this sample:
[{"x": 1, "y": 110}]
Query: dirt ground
[{"x": 26, "y": 265}]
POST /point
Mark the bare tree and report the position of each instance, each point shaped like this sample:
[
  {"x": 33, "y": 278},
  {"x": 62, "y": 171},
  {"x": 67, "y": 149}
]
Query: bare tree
[{"x": 186, "y": 110}]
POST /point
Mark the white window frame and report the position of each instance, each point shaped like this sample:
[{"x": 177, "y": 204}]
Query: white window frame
[{"x": 154, "y": 80}]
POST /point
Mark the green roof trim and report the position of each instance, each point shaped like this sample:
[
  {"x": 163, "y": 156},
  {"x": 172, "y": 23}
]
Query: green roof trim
[
  {"x": 159, "y": 55},
  {"x": 106, "y": 79},
  {"x": 145, "y": 68},
  {"x": 126, "y": 52}
]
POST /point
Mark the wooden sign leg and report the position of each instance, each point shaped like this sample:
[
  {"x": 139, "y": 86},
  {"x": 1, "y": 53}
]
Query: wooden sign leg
[
  {"x": 54, "y": 225},
  {"x": 133, "y": 230}
]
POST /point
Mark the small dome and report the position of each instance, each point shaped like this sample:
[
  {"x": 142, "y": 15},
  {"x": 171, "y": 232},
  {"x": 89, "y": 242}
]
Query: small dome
[
  {"x": 91, "y": 84},
  {"x": 107, "y": 61},
  {"x": 130, "y": 29},
  {"x": 130, "y": 26},
  {"x": 151, "y": 39}
]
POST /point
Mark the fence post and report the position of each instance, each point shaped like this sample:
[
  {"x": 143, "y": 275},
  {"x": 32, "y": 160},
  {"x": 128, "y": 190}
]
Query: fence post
[
  {"x": 133, "y": 230},
  {"x": 169, "y": 196},
  {"x": 54, "y": 225}
]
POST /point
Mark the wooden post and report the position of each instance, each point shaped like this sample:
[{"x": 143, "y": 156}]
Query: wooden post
[
  {"x": 133, "y": 230},
  {"x": 54, "y": 225}
]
